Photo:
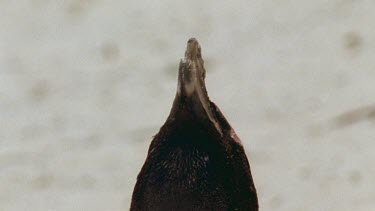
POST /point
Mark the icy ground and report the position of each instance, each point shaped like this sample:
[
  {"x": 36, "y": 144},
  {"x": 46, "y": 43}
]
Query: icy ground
[{"x": 85, "y": 84}]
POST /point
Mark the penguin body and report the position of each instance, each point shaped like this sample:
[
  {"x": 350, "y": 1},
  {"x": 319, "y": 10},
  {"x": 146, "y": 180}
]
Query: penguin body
[{"x": 196, "y": 161}]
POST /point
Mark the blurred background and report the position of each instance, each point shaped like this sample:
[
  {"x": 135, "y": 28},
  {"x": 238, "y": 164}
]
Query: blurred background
[{"x": 85, "y": 84}]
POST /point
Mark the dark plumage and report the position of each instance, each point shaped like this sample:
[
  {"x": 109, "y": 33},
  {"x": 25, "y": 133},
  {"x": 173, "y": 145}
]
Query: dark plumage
[{"x": 196, "y": 161}]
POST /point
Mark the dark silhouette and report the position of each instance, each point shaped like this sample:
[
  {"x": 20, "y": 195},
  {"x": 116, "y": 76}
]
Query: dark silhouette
[{"x": 196, "y": 161}]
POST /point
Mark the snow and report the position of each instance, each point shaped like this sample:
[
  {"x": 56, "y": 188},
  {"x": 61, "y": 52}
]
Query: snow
[{"x": 84, "y": 85}]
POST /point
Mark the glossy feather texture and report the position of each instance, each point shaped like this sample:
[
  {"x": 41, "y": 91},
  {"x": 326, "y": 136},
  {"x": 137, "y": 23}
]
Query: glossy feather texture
[{"x": 196, "y": 161}]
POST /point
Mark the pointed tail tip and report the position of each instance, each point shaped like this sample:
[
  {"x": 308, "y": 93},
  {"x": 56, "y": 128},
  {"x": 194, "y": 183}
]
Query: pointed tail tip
[{"x": 193, "y": 49}]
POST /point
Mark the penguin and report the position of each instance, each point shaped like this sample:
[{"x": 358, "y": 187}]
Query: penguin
[{"x": 196, "y": 162}]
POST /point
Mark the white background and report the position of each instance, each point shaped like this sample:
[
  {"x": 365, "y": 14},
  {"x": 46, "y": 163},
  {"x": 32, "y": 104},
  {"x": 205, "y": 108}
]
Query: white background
[{"x": 85, "y": 84}]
